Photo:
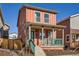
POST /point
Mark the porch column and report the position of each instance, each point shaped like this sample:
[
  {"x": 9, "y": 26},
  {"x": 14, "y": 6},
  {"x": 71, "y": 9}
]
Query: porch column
[
  {"x": 70, "y": 38},
  {"x": 63, "y": 35},
  {"x": 42, "y": 33},
  {"x": 29, "y": 32},
  {"x": 53, "y": 35}
]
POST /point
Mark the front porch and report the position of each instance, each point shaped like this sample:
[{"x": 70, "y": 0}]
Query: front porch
[
  {"x": 74, "y": 42},
  {"x": 44, "y": 35}
]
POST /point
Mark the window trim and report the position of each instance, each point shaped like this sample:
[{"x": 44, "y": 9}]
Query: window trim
[
  {"x": 44, "y": 19},
  {"x": 35, "y": 17}
]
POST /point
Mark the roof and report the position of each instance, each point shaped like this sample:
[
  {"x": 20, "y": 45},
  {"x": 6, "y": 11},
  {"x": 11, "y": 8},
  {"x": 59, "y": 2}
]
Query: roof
[
  {"x": 1, "y": 16},
  {"x": 45, "y": 25},
  {"x": 67, "y": 18},
  {"x": 2, "y": 21},
  {"x": 40, "y": 9},
  {"x": 74, "y": 15},
  {"x": 18, "y": 17},
  {"x": 6, "y": 27}
]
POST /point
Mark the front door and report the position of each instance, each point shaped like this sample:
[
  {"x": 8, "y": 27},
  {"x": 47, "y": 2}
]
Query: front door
[{"x": 37, "y": 36}]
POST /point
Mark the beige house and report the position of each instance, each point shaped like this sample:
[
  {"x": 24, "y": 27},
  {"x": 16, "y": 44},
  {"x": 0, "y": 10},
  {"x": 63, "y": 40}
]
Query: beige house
[
  {"x": 4, "y": 28},
  {"x": 71, "y": 31}
]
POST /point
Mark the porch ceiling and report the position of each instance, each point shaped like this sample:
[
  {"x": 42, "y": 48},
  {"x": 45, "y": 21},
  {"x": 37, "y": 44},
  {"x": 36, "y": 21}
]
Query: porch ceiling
[{"x": 45, "y": 25}]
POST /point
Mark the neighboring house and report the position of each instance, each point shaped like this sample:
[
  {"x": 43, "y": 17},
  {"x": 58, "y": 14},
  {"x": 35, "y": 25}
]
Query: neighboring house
[
  {"x": 39, "y": 25},
  {"x": 71, "y": 31},
  {"x": 13, "y": 36},
  {"x": 4, "y": 28}
]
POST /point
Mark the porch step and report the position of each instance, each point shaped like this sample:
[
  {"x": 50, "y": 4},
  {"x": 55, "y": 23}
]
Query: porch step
[
  {"x": 52, "y": 48},
  {"x": 24, "y": 52},
  {"x": 39, "y": 51}
]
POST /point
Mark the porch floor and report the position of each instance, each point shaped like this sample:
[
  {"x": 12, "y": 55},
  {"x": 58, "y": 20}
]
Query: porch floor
[{"x": 55, "y": 47}]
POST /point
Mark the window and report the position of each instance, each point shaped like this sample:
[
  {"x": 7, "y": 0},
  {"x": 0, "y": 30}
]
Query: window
[
  {"x": 37, "y": 16},
  {"x": 46, "y": 17},
  {"x": 49, "y": 33},
  {"x": 67, "y": 37},
  {"x": 77, "y": 36},
  {"x": 6, "y": 33},
  {"x": 73, "y": 36},
  {"x": 40, "y": 35}
]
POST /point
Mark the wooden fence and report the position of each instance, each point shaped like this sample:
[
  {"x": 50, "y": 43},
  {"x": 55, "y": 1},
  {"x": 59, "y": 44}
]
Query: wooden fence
[{"x": 11, "y": 44}]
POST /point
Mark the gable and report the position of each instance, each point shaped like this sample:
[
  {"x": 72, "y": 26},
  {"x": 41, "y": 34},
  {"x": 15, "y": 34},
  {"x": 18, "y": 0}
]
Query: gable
[
  {"x": 5, "y": 27},
  {"x": 1, "y": 24},
  {"x": 74, "y": 22},
  {"x": 1, "y": 19}
]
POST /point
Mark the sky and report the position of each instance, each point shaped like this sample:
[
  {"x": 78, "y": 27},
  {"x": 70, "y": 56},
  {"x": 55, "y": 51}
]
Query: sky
[{"x": 10, "y": 11}]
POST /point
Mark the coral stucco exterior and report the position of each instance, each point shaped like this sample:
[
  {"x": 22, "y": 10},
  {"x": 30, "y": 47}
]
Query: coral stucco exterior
[{"x": 41, "y": 32}]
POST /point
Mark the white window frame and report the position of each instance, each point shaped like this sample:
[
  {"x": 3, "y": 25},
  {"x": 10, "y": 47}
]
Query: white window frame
[
  {"x": 35, "y": 17},
  {"x": 44, "y": 19},
  {"x": 76, "y": 38}
]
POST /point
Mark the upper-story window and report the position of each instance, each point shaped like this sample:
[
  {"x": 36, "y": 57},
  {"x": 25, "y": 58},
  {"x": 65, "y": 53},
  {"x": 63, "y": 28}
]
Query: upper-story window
[
  {"x": 46, "y": 17},
  {"x": 37, "y": 16}
]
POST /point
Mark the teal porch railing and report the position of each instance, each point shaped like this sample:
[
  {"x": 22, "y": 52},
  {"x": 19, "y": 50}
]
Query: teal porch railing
[
  {"x": 47, "y": 42},
  {"x": 57, "y": 41},
  {"x": 32, "y": 46}
]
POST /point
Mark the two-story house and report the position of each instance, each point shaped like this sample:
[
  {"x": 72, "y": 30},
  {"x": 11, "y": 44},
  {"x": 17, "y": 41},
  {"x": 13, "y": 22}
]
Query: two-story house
[
  {"x": 4, "y": 28},
  {"x": 71, "y": 31},
  {"x": 39, "y": 25}
]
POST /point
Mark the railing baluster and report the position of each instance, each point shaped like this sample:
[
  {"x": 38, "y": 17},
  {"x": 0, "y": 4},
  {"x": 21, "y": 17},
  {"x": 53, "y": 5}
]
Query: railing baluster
[
  {"x": 32, "y": 46},
  {"x": 49, "y": 41},
  {"x": 58, "y": 41}
]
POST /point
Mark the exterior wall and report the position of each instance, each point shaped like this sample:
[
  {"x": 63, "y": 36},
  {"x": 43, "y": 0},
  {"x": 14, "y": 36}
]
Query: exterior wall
[
  {"x": 74, "y": 22},
  {"x": 6, "y": 34},
  {"x": 30, "y": 16},
  {"x": 74, "y": 29},
  {"x": 22, "y": 25},
  {"x": 4, "y": 28},
  {"x": 1, "y": 33},
  {"x": 66, "y": 31}
]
